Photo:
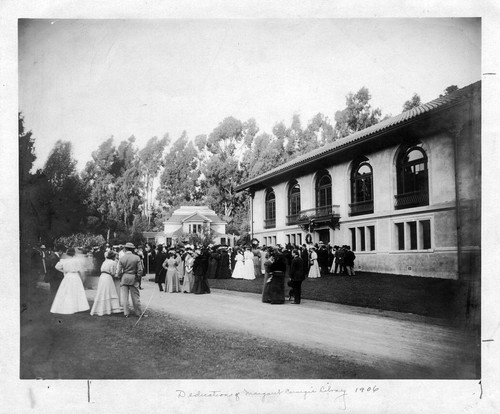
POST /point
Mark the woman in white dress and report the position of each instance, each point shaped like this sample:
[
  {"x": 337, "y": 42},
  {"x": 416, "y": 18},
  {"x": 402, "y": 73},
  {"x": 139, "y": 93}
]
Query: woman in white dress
[
  {"x": 249, "y": 269},
  {"x": 239, "y": 267},
  {"x": 106, "y": 299},
  {"x": 70, "y": 297},
  {"x": 172, "y": 278},
  {"x": 187, "y": 284},
  {"x": 313, "y": 261}
]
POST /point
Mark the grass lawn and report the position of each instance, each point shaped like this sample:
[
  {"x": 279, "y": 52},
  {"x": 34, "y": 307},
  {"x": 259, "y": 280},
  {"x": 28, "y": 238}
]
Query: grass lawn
[
  {"x": 160, "y": 347},
  {"x": 164, "y": 347},
  {"x": 435, "y": 298}
]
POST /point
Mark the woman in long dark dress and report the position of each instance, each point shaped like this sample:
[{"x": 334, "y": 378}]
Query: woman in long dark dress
[
  {"x": 160, "y": 272},
  {"x": 277, "y": 282},
  {"x": 200, "y": 268},
  {"x": 224, "y": 271},
  {"x": 213, "y": 266},
  {"x": 269, "y": 257}
]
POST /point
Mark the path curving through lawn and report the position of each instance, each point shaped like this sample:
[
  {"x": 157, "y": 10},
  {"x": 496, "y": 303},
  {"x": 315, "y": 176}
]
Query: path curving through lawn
[{"x": 396, "y": 345}]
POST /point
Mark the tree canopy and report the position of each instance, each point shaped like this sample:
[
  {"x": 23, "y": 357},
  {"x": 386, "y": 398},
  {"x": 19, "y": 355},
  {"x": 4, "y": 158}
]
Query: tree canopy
[
  {"x": 151, "y": 161},
  {"x": 448, "y": 90},
  {"x": 413, "y": 102},
  {"x": 179, "y": 179},
  {"x": 124, "y": 189},
  {"x": 60, "y": 165},
  {"x": 357, "y": 115}
]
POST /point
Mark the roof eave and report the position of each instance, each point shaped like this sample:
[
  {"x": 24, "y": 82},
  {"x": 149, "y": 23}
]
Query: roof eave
[{"x": 374, "y": 135}]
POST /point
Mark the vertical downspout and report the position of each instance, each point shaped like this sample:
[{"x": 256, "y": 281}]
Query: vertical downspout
[
  {"x": 252, "y": 194},
  {"x": 456, "y": 133}
]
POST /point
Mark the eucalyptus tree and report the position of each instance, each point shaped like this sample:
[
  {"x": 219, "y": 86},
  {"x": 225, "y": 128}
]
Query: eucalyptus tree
[
  {"x": 357, "y": 115},
  {"x": 179, "y": 178},
  {"x": 413, "y": 102},
  {"x": 221, "y": 170},
  {"x": 151, "y": 161},
  {"x": 114, "y": 182},
  {"x": 67, "y": 212}
]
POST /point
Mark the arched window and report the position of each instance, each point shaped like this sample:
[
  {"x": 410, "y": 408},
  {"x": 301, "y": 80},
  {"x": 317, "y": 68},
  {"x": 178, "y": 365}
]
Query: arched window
[
  {"x": 412, "y": 178},
  {"x": 270, "y": 220},
  {"x": 293, "y": 202},
  {"x": 324, "y": 190},
  {"x": 361, "y": 188}
]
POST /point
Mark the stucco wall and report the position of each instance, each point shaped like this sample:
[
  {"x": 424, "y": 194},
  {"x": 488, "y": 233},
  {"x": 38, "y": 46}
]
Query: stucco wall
[{"x": 439, "y": 261}]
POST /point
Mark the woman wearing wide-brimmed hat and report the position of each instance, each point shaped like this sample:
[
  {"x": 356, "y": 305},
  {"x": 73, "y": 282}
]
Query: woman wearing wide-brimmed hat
[
  {"x": 70, "y": 297},
  {"x": 188, "y": 281}
]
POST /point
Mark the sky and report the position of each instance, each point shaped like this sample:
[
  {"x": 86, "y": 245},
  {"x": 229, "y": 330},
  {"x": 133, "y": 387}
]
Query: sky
[{"x": 86, "y": 80}]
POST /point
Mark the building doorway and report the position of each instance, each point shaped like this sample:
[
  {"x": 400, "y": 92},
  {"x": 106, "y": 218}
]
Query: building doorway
[{"x": 324, "y": 236}]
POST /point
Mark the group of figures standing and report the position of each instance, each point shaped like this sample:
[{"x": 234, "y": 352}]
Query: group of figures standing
[
  {"x": 293, "y": 262},
  {"x": 182, "y": 269},
  {"x": 120, "y": 279},
  {"x": 186, "y": 269}
]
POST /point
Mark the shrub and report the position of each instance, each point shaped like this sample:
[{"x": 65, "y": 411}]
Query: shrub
[{"x": 81, "y": 240}]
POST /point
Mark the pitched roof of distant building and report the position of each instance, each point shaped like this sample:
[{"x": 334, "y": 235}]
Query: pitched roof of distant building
[
  {"x": 397, "y": 121},
  {"x": 189, "y": 213}
]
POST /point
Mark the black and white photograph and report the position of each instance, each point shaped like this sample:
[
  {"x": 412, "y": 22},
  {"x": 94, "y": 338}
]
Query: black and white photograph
[{"x": 245, "y": 212}]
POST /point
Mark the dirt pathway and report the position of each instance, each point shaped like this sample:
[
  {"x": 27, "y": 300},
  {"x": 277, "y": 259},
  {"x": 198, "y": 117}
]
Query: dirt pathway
[{"x": 398, "y": 345}]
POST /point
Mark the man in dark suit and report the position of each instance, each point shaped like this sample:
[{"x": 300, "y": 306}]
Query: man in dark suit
[
  {"x": 296, "y": 275},
  {"x": 160, "y": 257},
  {"x": 305, "y": 258},
  {"x": 53, "y": 276},
  {"x": 323, "y": 259}
]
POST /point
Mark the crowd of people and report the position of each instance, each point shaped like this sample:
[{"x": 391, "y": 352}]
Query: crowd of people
[{"x": 185, "y": 268}]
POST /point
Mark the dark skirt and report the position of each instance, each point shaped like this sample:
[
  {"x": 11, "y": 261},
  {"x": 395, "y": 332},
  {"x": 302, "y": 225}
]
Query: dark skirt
[
  {"x": 277, "y": 288},
  {"x": 160, "y": 276},
  {"x": 266, "y": 298},
  {"x": 213, "y": 268},
  {"x": 200, "y": 285}
]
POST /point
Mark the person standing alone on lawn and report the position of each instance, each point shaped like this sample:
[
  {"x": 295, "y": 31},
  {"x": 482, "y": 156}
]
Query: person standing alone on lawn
[
  {"x": 296, "y": 276},
  {"x": 130, "y": 271}
]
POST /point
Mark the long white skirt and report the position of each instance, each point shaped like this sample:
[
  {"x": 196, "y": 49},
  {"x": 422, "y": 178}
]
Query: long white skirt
[
  {"x": 70, "y": 297},
  {"x": 248, "y": 270},
  {"x": 314, "y": 270},
  {"x": 239, "y": 270},
  {"x": 187, "y": 285},
  {"x": 106, "y": 299}
]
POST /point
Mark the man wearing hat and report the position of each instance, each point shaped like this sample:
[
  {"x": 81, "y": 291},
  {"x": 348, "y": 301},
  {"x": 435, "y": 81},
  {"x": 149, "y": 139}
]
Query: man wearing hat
[
  {"x": 130, "y": 270},
  {"x": 323, "y": 258}
]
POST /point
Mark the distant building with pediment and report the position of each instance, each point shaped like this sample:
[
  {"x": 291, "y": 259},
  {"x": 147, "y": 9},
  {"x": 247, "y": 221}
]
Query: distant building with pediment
[{"x": 193, "y": 220}]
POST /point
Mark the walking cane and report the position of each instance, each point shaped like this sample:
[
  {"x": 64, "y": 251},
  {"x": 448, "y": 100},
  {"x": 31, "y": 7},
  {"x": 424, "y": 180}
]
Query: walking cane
[{"x": 144, "y": 311}]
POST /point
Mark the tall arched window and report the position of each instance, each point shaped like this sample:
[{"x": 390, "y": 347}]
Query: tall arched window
[
  {"x": 293, "y": 202},
  {"x": 412, "y": 178},
  {"x": 270, "y": 220},
  {"x": 361, "y": 188},
  {"x": 323, "y": 193}
]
